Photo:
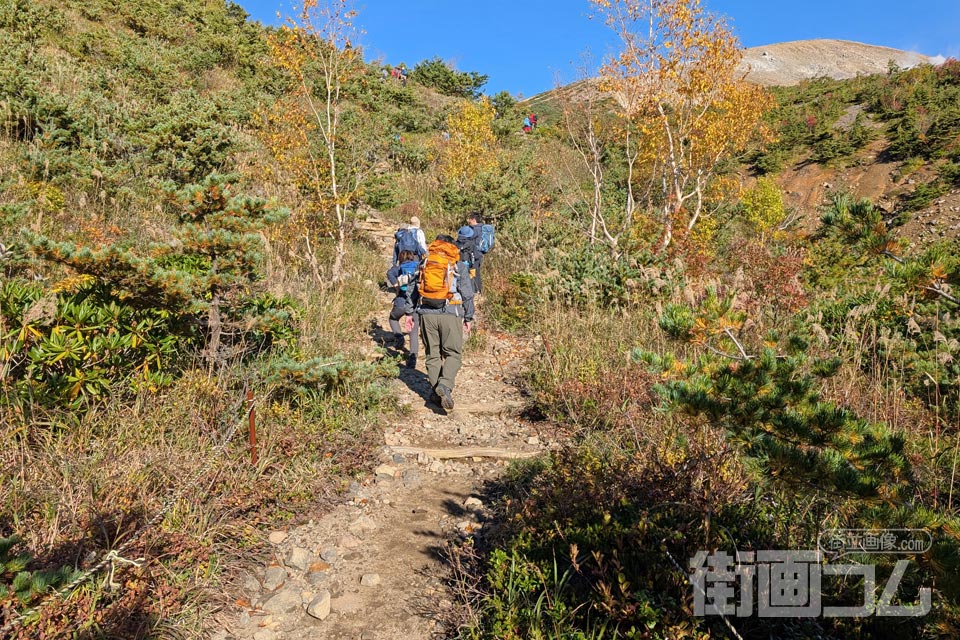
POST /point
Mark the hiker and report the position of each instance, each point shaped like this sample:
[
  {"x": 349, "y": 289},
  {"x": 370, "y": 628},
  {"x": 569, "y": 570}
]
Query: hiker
[
  {"x": 445, "y": 308},
  {"x": 526, "y": 124},
  {"x": 403, "y": 75},
  {"x": 469, "y": 252},
  {"x": 533, "y": 120},
  {"x": 483, "y": 242},
  {"x": 404, "y": 276},
  {"x": 410, "y": 238},
  {"x": 474, "y": 223}
]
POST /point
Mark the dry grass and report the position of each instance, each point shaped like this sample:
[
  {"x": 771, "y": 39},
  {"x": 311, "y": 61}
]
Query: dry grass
[
  {"x": 70, "y": 489},
  {"x": 335, "y": 315}
]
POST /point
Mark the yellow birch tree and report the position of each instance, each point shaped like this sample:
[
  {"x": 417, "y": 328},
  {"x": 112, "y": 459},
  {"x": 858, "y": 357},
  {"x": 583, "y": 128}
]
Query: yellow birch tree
[
  {"x": 471, "y": 148},
  {"x": 677, "y": 87},
  {"x": 321, "y": 151}
]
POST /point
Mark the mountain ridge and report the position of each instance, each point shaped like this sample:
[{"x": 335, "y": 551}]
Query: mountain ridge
[{"x": 788, "y": 63}]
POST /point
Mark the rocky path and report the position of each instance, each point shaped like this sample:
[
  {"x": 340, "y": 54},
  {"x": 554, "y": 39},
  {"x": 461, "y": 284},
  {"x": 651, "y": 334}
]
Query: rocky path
[{"x": 372, "y": 567}]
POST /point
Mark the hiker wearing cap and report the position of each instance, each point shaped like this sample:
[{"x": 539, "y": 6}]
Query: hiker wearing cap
[
  {"x": 421, "y": 239},
  {"x": 409, "y": 238},
  {"x": 445, "y": 308}
]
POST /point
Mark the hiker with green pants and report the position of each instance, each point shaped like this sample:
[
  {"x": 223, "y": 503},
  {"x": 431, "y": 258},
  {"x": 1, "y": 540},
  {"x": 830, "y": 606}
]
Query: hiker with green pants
[{"x": 446, "y": 313}]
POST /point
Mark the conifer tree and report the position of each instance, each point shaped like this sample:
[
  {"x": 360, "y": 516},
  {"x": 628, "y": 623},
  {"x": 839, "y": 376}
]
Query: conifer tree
[
  {"x": 202, "y": 276},
  {"x": 771, "y": 407}
]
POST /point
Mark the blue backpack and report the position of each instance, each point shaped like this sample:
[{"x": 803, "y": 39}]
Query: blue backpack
[
  {"x": 407, "y": 241},
  {"x": 410, "y": 270},
  {"x": 486, "y": 238}
]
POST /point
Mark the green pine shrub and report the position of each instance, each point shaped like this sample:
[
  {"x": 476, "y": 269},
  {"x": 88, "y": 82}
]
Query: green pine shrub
[
  {"x": 590, "y": 276},
  {"x": 21, "y": 585},
  {"x": 677, "y": 321},
  {"x": 770, "y": 406},
  {"x": 436, "y": 74},
  {"x": 130, "y": 320}
]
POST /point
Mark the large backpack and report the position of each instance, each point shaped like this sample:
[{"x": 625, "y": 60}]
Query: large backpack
[
  {"x": 438, "y": 276},
  {"x": 468, "y": 251},
  {"x": 486, "y": 238},
  {"x": 406, "y": 240}
]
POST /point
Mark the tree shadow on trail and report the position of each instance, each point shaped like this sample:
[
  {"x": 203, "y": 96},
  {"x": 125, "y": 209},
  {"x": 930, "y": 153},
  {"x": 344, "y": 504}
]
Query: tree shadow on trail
[
  {"x": 462, "y": 554},
  {"x": 415, "y": 379},
  {"x": 454, "y": 506}
]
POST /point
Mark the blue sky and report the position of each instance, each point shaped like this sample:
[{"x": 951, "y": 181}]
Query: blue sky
[{"x": 524, "y": 45}]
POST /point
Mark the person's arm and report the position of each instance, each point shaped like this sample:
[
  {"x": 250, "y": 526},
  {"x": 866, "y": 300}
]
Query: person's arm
[
  {"x": 465, "y": 286},
  {"x": 393, "y": 274},
  {"x": 422, "y": 239}
]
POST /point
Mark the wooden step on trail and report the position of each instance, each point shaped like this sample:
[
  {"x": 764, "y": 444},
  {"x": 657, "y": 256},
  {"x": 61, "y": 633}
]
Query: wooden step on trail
[
  {"x": 489, "y": 408},
  {"x": 466, "y": 452}
]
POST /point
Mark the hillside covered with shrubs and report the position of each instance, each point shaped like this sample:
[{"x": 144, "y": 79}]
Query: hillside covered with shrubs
[{"x": 731, "y": 372}]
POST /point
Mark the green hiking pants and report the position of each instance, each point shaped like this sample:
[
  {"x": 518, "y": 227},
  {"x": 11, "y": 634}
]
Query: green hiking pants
[{"x": 442, "y": 338}]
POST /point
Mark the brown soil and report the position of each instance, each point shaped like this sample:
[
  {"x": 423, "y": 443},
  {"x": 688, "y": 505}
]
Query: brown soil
[{"x": 807, "y": 188}]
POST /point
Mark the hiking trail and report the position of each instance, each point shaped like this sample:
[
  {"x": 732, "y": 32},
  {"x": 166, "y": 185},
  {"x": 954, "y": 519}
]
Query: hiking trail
[{"x": 372, "y": 567}]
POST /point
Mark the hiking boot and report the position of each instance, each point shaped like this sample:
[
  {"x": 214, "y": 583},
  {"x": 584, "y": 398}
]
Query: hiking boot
[
  {"x": 412, "y": 361},
  {"x": 446, "y": 397}
]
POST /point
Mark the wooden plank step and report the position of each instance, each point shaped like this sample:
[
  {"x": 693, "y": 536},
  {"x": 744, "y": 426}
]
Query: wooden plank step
[
  {"x": 489, "y": 408},
  {"x": 467, "y": 452}
]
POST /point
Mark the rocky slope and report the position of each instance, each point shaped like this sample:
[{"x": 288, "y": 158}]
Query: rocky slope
[{"x": 788, "y": 63}]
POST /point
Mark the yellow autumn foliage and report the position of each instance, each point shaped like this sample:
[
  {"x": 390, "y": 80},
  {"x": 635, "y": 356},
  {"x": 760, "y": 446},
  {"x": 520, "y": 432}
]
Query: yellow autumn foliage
[
  {"x": 763, "y": 205},
  {"x": 676, "y": 84},
  {"x": 471, "y": 148}
]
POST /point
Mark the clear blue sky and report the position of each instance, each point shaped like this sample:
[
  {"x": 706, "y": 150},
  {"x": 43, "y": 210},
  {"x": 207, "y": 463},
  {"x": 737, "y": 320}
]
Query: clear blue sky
[{"x": 523, "y": 45}]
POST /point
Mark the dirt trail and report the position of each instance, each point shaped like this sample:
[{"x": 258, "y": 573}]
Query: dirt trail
[{"x": 370, "y": 568}]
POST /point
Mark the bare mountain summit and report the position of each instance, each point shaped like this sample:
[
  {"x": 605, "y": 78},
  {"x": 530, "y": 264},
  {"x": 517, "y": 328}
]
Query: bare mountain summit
[{"x": 788, "y": 63}]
